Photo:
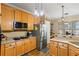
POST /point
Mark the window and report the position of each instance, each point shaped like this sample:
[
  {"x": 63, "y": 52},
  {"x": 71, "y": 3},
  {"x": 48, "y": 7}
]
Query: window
[
  {"x": 76, "y": 28},
  {"x": 76, "y": 25}
]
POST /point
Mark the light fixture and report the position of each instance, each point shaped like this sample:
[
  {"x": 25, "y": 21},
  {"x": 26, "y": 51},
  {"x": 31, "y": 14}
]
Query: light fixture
[
  {"x": 36, "y": 12},
  {"x": 39, "y": 10},
  {"x": 62, "y": 18}
]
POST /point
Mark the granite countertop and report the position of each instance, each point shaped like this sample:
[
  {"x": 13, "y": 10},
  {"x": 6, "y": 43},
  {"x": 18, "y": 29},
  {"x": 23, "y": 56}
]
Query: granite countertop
[
  {"x": 71, "y": 42},
  {"x": 11, "y": 40}
]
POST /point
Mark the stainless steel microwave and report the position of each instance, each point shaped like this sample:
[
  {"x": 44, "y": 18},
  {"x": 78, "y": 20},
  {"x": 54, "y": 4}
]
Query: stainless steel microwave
[{"x": 20, "y": 26}]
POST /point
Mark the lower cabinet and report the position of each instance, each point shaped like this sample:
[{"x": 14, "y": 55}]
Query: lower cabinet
[
  {"x": 27, "y": 45},
  {"x": 10, "y": 49},
  {"x": 73, "y": 51},
  {"x": 20, "y": 47},
  {"x": 53, "y": 48},
  {"x": 2, "y": 50},
  {"x": 32, "y": 43},
  {"x": 58, "y": 48},
  {"x": 62, "y": 49}
]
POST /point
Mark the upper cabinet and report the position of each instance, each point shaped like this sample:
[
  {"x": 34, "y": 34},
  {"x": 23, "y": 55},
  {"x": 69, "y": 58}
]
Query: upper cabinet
[
  {"x": 30, "y": 22},
  {"x": 9, "y": 15},
  {"x": 0, "y": 14},
  {"x": 18, "y": 15},
  {"x": 37, "y": 20},
  {"x": 7, "y": 18},
  {"x": 24, "y": 17}
]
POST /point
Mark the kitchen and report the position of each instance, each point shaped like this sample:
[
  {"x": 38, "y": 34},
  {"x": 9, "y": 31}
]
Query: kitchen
[{"x": 28, "y": 31}]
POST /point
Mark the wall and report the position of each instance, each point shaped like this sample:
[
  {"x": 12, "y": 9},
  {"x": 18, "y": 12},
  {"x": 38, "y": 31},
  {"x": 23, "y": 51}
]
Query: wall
[{"x": 15, "y": 34}]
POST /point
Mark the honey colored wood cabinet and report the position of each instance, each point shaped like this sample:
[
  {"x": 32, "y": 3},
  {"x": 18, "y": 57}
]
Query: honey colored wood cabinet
[
  {"x": 37, "y": 20},
  {"x": 20, "y": 47},
  {"x": 30, "y": 22},
  {"x": 2, "y": 50},
  {"x": 10, "y": 49},
  {"x": 7, "y": 18},
  {"x": 73, "y": 51},
  {"x": 18, "y": 16},
  {"x": 54, "y": 48},
  {"x": 32, "y": 43},
  {"x": 0, "y": 14},
  {"x": 62, "y": 49},
  {"x": 27, "y": 45},
  {"x": 58, "y": 49},
  {"x": 24, "y": 17}
]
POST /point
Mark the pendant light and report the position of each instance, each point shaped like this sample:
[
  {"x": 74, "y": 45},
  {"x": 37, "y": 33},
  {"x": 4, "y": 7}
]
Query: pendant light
[
  {"x": 62, "y": 18},
  {"x": 39, "y": 10}
]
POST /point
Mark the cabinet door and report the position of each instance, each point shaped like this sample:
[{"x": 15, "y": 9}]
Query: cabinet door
[
  {"x": 62, "y": 49},
  {"x": 19, "y": 48},
  {"x": 7, "y": 18},
  {"x": 31, "y": 44},
  {"x": 54, "y": 48},
  {"x": 24, "y": 17},
  {"x": 2, "y": 50},
  {"x": 10, "y": 49},
  {"x": 30, "y": 22},
  {"x": 34, "y": 43},
  {"x": 72, "y": 53},
  {"x": 18, "y": 15},
  {"x": 22, "y": 47},
  {"x": 0, "y": 14},
  {"x": 37, "y": 20},
  {"x": 27, "y": 47}
]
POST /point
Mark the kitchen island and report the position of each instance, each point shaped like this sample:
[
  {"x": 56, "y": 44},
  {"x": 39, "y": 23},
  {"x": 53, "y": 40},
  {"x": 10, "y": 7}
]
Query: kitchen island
[{"x": 64, "y": 47}]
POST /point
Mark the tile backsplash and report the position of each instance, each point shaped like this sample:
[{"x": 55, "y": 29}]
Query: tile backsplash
[{"x": 15, "y": 34}]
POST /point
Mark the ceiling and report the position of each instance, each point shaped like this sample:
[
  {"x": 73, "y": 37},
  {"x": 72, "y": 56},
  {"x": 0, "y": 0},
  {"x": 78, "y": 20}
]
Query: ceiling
[{"x": 52, "y": 10}]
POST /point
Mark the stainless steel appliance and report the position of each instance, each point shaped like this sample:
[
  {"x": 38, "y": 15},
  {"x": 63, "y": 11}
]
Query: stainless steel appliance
[
  {"x": 20, "y": 26},
  {"x": 41, "y": 35}
]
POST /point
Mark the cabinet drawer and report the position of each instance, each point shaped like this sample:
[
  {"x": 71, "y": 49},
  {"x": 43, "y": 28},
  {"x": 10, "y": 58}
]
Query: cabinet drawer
[
  {"x": 63, "y": 45},
  {"x": 53, "y": 42},
  {"x": 18, "y": 43},
  {"x": 9, "y": 44}
]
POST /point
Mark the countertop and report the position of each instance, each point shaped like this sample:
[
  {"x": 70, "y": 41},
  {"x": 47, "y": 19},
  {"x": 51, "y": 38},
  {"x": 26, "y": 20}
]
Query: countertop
[
  {"x": 11, "y": 40},
  {"x": 71, "y": 42}
]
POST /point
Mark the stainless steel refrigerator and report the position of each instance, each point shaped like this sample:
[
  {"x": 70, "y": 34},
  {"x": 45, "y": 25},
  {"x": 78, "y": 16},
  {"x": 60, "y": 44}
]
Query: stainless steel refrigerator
[{"x": 41, "y": 36}]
